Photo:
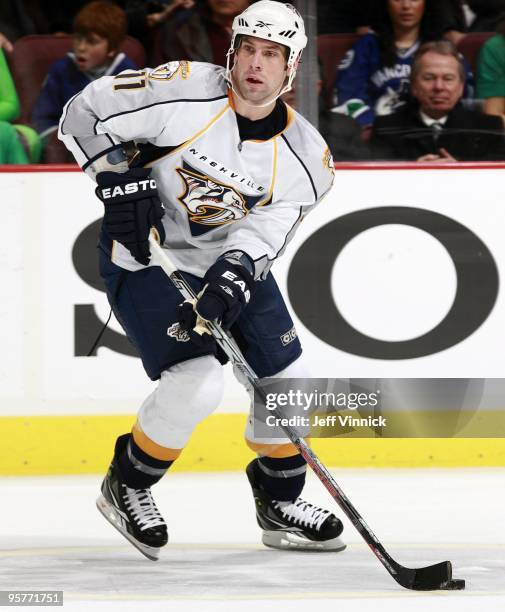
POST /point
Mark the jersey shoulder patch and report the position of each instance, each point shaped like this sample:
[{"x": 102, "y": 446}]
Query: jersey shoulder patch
[
  {"x": 170, "y": 70},
  {"x": 184, "y": 79}
]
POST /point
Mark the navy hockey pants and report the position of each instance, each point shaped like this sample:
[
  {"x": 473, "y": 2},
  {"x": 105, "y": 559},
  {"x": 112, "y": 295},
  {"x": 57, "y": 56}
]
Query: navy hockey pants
[{"x": 146, "y": 305}]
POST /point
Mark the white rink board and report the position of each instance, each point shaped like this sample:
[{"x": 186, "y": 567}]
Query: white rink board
[{"x": 392, "y": 282}]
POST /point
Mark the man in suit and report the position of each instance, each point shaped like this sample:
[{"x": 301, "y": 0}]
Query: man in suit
[{"x": 434, "y": 126}]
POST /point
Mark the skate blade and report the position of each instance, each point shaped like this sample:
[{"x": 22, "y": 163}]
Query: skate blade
[
  {"x": 284, "y": 540},
  {"x": 116, "y": 520}
]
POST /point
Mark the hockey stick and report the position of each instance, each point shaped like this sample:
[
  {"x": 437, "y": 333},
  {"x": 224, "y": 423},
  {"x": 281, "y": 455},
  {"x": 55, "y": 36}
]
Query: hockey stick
[{"x": 433, "y": 577}]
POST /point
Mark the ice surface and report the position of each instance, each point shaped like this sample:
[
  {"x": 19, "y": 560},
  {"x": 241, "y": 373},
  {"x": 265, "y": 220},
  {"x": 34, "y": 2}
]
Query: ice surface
[{"x": 52, "y": 537}]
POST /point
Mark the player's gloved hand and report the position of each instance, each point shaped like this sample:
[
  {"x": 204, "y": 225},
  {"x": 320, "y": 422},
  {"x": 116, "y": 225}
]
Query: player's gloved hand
[
  {"x": 228, "y": 284},
  {"x": 132, "y": 207},
  {"x": 189, "y": 321}
]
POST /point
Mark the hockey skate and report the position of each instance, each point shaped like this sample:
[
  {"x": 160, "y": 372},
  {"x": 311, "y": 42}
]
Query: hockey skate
[
  {"x": 133, "y": 513},
  {"x": 296, "y": 524}
]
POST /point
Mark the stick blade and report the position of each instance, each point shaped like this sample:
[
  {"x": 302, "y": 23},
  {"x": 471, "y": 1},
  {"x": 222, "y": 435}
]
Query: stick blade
[
  {"x": 454, "y": 585},
  {"x": 431, "y": 578}
]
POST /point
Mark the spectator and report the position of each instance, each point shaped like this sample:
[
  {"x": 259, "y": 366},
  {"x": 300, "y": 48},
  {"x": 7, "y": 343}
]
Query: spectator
[
  {"x": 9, "y": 111},
  {"x": 205, "y": 35},
  {"x": 454, "y": 20},
  {"x": 434, "y": 126},
  {"x": 9, "y": 101},
  {"x": 5, "y": 43},
  {"x": 15, "y": 20},
  {"x": 450, "y": 18},
  {"x": 99, "y": 29},
  {"x": 57, "y": 16},
  {"x": 491, "y": 73},
  {"x": 487, "y": 14},
  {"x": 11, "y": 149},
  {"x": 160, "y": 16},
  {"x": 23, "y": 17},
  {"x": 373, "y": 78},
  {"x": 145, "y": 20}
]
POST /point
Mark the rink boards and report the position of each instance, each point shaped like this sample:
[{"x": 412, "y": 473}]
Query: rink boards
[{"x": 396, "y": 274}]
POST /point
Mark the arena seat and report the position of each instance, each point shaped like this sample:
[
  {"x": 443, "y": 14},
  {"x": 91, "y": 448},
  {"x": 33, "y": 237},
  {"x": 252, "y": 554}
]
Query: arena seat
[{"x": 469, "y": 46}]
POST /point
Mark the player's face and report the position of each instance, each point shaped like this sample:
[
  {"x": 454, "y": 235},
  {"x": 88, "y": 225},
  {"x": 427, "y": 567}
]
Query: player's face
[
  {"x": 91, "y": 51},
  {"x": 260, "y": 69},
  {"x": 406, "y": 14},
  {"x": 437, "y": 84}
]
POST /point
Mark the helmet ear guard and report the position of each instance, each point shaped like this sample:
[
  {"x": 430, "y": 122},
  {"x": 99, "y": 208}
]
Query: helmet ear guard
[{"x": 270, "y": 20}]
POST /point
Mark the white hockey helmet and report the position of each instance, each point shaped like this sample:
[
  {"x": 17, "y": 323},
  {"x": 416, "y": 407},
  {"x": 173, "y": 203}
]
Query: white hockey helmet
[{"x": 275, "y": 21}]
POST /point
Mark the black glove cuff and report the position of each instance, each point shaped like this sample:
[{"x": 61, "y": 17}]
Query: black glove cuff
[{"x": 240, "y": 259}]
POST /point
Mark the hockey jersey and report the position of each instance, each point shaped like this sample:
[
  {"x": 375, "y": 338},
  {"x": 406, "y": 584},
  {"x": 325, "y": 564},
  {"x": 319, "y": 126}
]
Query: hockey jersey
[
  {"x": 365, "y": 88},
  {"x": 220, "y": 193}
]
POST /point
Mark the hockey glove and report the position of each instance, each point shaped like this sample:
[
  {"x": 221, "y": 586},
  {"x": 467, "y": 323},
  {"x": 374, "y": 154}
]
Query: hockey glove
[
  {"x": 132, "y": 207},
  {"x": 188, "y": 321},
  {"x": 228, "y": 284}
]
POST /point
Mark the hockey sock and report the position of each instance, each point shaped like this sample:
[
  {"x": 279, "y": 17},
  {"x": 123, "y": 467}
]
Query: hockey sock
[
  {"x": 282, "y": 479},
  {"x": 138, "y": 469}
]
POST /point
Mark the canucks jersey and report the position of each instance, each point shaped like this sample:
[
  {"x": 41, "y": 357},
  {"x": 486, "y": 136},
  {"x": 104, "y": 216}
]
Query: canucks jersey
[{"x": 219, "y": 193}]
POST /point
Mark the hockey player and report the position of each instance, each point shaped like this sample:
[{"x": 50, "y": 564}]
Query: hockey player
[{"x": 236, "y": 170}]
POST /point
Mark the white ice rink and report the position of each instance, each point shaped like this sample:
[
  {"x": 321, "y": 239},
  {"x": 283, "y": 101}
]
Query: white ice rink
[{"x": 53, "y": 538}]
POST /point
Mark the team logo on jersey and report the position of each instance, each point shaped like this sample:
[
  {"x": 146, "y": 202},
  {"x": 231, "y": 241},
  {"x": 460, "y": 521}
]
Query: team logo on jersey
[
  {"x": 347, "y": 60},
  {"x": 392, "y": 100},
  {"x": 175, "y": 331},
  {"x": 210, "y": 203},
  {"x": 168, "y": 71},
  {"x": 328, "y": 160}
]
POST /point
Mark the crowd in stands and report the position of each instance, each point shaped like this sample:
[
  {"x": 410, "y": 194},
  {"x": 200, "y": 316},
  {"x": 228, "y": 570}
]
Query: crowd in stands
[{"x": 412, "y": 80}]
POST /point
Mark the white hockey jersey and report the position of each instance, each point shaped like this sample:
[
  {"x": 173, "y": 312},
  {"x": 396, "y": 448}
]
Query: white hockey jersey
[{"x": 220, "y": 194}]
